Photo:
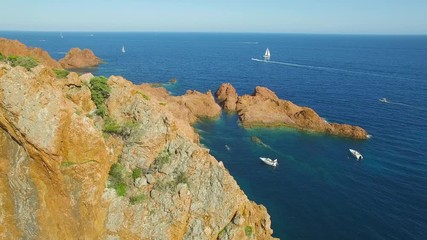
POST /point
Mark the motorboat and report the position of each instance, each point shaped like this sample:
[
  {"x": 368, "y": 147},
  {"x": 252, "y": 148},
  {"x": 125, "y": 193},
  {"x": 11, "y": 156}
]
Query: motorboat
[
  {"x": 356, "y": 154},
  {"x": 227, "y": 147},
  {"x": 384, "y": 100},
  {"x": 269, "y": 161}
]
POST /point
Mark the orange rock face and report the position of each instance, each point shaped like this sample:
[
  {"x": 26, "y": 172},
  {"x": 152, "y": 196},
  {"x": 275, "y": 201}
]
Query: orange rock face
[
  {"x": 55, "y": 160},
  {"x": 14, "y": 47},
  {"x": 264, "y": 108},
  {"x": 199, "y": 105},
  {"x": 227, "y": 96},
  {"x": 77, "y": 58}
]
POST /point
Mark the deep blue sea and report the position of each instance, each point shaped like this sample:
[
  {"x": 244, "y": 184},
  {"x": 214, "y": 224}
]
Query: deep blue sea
[{"x": 318, "y": 191}]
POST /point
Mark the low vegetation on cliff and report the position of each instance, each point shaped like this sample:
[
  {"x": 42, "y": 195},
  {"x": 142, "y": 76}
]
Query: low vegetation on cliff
[
  {"x": 135, "y": 171},
  {"x": 61, "y": 73},
  {"x": 23, "y": 61},
  {"x": 100, "y": 92}
]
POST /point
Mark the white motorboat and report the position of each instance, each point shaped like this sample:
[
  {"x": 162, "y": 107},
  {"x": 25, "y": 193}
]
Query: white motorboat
[
  {"x": 267, "y": 55},
  {"x": 269, "y": 161},
  {"x": 356, "y": 154},
  {"x": 384, "y": 100},
  {"x": 227, "y": 147}
]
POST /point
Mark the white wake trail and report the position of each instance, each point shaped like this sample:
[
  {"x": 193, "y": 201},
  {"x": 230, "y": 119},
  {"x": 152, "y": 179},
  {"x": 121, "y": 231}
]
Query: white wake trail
[{"x": 327, "y": 69}]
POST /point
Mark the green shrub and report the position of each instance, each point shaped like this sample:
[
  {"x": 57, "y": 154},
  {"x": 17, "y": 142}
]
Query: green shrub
[
  {"x": 121, "y": 189},
  {"x": 116, "y": 172},
  {"x": 111, "y": 126},
  {"x": 67, "y": 164},
  {"x": 128, "y": 128},
  {"x": 61, "y": 73},
  {"x": 26, "y": 62},
  {"x": 117, "y": 181},
  {"x": 100, "y": 91},
  {"x": 137, "y": 199},
  {"x": 101, "y": 110},
  {"x": 182, "y": 178},
  {"x": 143, "y": 95},
  {"x": 2, "y": 57},
  {"x": 136, "y": 173},
  {"x": 162, "y": 159},
  {"x": 248, "y": 231}
]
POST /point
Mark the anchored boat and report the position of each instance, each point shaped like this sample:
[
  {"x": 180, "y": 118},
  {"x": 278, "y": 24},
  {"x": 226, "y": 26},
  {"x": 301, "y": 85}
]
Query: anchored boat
[
  {"x": 269, "y": 161},
  {"x": 356, "y": 154}
]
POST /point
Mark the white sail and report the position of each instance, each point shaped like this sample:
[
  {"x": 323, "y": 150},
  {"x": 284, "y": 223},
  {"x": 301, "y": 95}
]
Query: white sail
[
  {"x": 123, "y": 49},
  {"x": 267, "y": 54}
]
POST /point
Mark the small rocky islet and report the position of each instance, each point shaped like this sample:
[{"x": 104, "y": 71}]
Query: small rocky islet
[{"x": 263, "y": 108}]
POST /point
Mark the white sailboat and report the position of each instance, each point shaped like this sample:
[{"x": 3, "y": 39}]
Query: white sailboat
[
  {"x": 267, "y": 54},
  {"x": 60, "y": 34},
  {"x": 123, "y": 49}
]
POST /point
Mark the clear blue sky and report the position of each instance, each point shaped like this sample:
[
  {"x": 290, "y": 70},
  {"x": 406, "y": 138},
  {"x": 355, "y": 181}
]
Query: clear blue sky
[{"x": 288, "y": 16}]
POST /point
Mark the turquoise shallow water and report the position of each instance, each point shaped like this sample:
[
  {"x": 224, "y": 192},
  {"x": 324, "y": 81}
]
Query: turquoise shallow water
[{"x": 318, "y": 191}]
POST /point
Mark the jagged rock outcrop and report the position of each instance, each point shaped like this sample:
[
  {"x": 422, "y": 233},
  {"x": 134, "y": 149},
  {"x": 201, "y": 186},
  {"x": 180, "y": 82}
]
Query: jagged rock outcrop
[
  {"x": 194, "y": 105},
  {"x": 14, "y": 47},
  {"x": 55, "y": 162},
  {"x": 189, "y": 107},
  {"x": 77, "y": 58},
  {"x": 227, "y": 96},
  {"x": 264, "y": 108}
]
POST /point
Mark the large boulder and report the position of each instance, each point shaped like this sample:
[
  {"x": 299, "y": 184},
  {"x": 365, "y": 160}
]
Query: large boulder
[
  {"x": 77, "y": 58},
  {"x": 227, "y": 96}
]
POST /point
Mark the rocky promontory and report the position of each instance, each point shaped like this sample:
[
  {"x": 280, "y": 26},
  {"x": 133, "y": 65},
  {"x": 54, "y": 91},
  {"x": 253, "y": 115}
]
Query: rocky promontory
[
  {"x": 89, "y": 157},
  {"x": 14, "y": 47},
  {"x": 264, "y": 108},
  {"x": 77, "y": 58}
]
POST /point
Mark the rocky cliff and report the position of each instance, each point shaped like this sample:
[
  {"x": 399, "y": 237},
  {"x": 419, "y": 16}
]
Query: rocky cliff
[
  {"x": 264, "y": 108},
  {"x": 137, "y": 173},
  {"x": 77, "y": 58},
  {"x": 13, "y": 47}
]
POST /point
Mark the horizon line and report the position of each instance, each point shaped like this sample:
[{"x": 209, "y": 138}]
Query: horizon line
[{"x": 217, "y": 32}]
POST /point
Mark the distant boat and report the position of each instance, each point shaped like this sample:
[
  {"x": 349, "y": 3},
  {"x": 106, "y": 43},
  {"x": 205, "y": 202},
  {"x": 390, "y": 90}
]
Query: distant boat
[
  {"x": 227, "y": 147},
  {"x": 384, "y": 100},
  {"x": 123, "y": 49},
  {"x": 269, "y": 161},
  {"x": 356, "y": 154},
  {"x": 267, "y": 54},
  {"x": 60, "y": 34}
]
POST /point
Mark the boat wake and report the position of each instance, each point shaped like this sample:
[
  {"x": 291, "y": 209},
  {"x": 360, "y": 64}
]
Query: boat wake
[
  {"x": 405, "y": 105},
  {"x": 330, "y": 69}
]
